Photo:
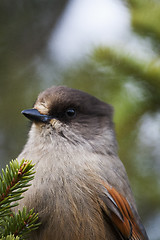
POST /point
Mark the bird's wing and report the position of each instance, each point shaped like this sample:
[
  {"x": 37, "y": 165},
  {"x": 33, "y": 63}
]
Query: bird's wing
[{"x": 118, "y": 210}]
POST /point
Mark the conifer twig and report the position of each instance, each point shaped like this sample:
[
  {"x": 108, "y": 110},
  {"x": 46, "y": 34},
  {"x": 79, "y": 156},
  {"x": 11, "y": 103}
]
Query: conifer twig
[{"x": 14, "y": 181}]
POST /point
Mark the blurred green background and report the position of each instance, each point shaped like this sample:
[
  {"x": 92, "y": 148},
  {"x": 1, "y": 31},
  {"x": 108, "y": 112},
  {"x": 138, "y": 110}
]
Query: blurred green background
[{"x": 130, "y": 83}]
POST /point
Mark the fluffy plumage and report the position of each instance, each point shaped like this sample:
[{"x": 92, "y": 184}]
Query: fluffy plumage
[{"x": 81, "y": 189}]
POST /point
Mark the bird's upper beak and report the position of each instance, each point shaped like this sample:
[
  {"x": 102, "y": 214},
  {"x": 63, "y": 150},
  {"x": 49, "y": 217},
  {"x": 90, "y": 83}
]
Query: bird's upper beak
[{"x": 35, "y": 116}]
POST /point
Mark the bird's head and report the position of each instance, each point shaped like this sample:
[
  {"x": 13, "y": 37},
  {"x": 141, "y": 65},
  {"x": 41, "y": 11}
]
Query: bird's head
[{"x": 72, "y": 114}]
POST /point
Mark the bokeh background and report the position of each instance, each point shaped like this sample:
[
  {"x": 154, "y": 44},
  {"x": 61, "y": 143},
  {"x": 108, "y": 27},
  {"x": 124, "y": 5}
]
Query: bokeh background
[{"x": 108, "y": 48}]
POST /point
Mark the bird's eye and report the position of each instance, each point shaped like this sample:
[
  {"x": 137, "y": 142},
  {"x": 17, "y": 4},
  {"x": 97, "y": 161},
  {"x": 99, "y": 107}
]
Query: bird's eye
[{"x": 70, "y": 113}]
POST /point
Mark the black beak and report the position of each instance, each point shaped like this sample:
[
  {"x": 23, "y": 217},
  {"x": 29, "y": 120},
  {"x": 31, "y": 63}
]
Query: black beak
[{"x": 35, "y": 116}]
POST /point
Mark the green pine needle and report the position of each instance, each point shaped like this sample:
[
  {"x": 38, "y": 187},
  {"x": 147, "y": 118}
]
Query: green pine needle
[
  {"x": 14, "y": 180},
  {"x": 10, "y": 237},
  {"x": 20, "y": 224}
]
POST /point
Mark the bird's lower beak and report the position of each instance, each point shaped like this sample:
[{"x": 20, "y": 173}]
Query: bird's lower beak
[{"x": 35, "y": 116}]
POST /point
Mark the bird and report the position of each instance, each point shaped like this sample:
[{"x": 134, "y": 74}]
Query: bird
[{"x": 81, "y": 189}]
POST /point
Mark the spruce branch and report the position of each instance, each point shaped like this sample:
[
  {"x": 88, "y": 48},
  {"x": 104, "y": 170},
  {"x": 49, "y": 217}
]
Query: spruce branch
[
  {"x": 20, "y": 224},
  {"x": 14, "y": 180},
  {"x": 10, "y": 237}
]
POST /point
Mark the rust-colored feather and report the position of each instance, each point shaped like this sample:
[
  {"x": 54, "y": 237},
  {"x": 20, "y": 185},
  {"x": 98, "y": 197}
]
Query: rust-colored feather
[{"x": 122, "y": 216}]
